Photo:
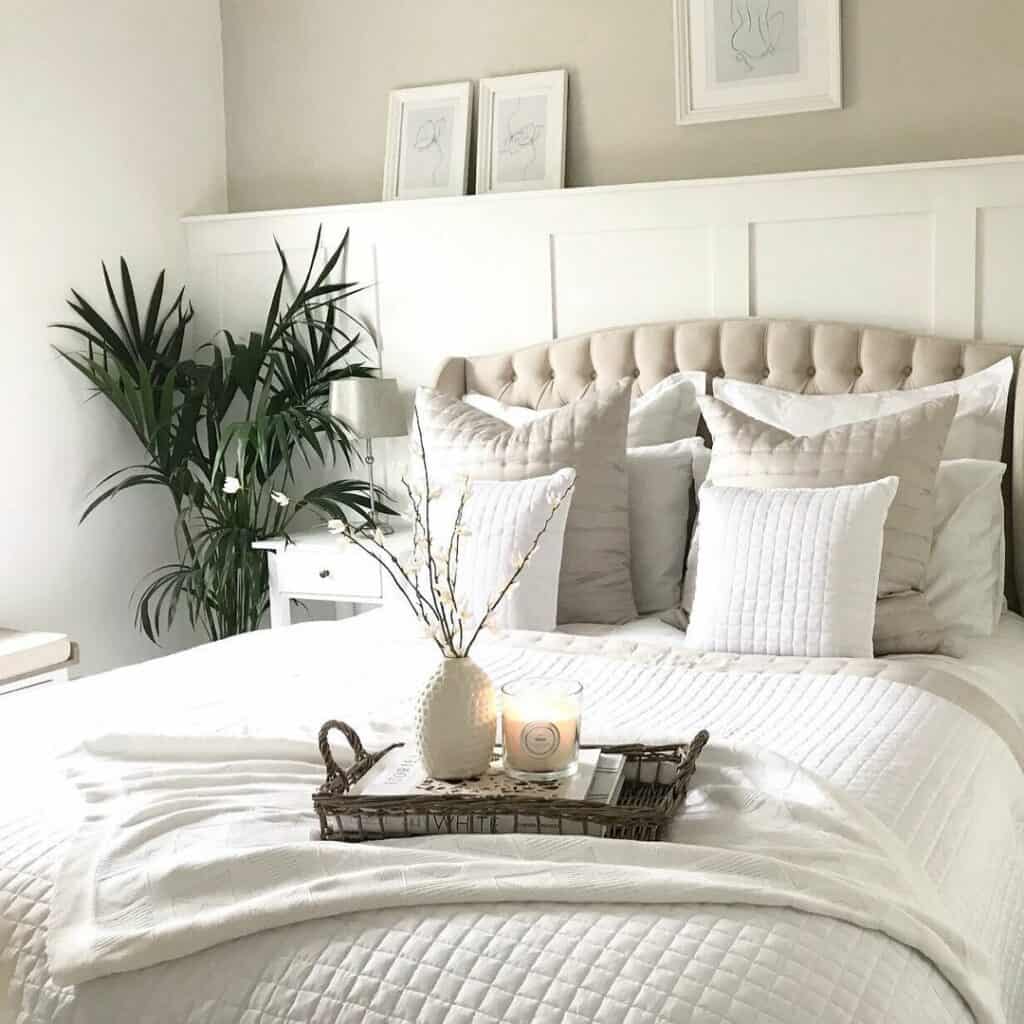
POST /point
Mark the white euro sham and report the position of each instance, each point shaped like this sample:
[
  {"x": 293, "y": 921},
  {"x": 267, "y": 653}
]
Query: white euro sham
[
  {"x": 966, "y": 572},
  {"x": 660, "y": 483},
  {"x": 976, "y": 433}
]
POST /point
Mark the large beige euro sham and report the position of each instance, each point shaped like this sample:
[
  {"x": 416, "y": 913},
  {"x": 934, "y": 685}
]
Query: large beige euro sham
[
  {"x": 749, "y": 453},
  {"x": 589, "y": 436}
]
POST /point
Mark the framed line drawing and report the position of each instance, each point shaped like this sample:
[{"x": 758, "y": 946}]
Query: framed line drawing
[
  {"x": 755, "y": 58},
  {"x": 427, "y": 151},
  {"x": 521, "y": 132}
]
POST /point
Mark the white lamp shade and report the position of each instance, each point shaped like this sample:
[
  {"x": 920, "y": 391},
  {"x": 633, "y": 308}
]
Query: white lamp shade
[{"x": 369, "y": 406}]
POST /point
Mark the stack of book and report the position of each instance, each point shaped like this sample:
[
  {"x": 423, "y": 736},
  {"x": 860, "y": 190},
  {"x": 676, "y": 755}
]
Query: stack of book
[{"x": 398, "y": 775}]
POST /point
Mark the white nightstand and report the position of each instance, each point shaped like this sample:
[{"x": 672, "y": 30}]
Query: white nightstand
[{"x": 316, "y": 567}]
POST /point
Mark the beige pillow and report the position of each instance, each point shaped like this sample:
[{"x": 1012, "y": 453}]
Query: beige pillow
[
  {"x": 589, "y": 436},
  {"x": 908, "y": 445}
]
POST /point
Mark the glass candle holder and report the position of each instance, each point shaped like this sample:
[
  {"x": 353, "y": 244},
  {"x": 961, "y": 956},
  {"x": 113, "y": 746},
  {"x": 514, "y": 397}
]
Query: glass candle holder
[{"x": 540, "y": 727}]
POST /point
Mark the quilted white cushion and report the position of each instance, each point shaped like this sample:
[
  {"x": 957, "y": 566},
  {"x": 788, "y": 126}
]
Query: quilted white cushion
[
  {"x": 668, "y": 412},
  {"x": 502, "y": 520},
  {"x": 976, "y": 433},
  {"x": 790, "y": 571},
  {"x": 964, "y": 582},
  {"x": 588, "y": 436}
]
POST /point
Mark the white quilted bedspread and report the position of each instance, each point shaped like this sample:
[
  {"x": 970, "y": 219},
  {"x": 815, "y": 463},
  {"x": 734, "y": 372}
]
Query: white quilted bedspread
[{"x": 892, "y": 738}]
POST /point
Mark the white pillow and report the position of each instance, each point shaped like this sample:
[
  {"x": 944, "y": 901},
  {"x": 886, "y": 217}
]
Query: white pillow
[
  {"x": 660, "y": 478},
  {"x": 668, "y": 412},
  {"x": 502, "y": 519},
  {"x": 965, "y": 575},
  {"x": 977, "y": 431},
  {"x": 790, "y": 571}
]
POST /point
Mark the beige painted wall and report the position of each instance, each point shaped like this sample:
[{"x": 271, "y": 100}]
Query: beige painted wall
[
  {"x": 111, "y": 114},
  {"x": 306, "y": 86}
]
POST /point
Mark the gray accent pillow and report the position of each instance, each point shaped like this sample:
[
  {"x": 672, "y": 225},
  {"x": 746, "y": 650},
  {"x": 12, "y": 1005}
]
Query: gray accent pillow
[
  {"x": 908, "y": 445},
  {"x": 589, "y": 436}
]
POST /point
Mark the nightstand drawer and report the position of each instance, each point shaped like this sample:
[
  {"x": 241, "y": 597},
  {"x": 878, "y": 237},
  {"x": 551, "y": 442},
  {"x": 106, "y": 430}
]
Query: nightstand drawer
[{"x": 331, "y": 573}]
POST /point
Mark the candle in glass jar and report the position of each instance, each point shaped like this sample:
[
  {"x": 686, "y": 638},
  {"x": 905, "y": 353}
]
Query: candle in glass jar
[{"x": 540, "y": 728}]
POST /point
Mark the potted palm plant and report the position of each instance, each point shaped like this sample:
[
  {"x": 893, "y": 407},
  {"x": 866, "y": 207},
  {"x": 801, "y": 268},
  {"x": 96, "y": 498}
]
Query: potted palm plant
[{"x": 223, "y": 430}]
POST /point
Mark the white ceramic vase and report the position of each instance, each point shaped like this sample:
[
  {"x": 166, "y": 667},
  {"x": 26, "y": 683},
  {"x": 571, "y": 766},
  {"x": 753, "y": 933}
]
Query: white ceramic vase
[{"x": 455, "y": 720}]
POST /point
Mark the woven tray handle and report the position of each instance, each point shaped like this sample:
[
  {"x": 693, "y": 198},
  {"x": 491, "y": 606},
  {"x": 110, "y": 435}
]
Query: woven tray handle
[{"x": 336, "y": 775}]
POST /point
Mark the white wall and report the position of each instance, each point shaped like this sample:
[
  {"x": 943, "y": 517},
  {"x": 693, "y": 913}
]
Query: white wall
[{"x": 112, "y": 127}]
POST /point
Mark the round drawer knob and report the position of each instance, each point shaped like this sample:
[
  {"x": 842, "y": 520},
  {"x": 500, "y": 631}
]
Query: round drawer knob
[{"x": 324, "y": 573}]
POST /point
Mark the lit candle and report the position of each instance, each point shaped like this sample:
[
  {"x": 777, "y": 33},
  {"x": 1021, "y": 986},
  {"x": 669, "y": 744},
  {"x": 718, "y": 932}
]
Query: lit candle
[{"x": 540, "y": 722}]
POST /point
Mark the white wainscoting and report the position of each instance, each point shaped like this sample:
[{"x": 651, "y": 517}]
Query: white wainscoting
[{"x": 928, "y": 247}]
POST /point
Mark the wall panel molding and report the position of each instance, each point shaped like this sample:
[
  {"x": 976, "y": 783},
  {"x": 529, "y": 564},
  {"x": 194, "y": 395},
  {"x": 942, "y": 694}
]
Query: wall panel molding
[{"x": 925, "y": 247}]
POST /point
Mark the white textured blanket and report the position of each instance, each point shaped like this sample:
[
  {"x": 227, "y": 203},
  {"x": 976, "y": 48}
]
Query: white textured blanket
[
  {"x": 202, "y": 841},
  {"x": 875, "y": 743}
]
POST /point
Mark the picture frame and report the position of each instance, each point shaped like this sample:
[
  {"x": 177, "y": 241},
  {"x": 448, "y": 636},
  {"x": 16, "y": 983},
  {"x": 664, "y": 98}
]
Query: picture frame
[
  {"x": 427, "y": 149},
  {"x": 756, "y": 58},
  {"x": 521, "y": 132}
]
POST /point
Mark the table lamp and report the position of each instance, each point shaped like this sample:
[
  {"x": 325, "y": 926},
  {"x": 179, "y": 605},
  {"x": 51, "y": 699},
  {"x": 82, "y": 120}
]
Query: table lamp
[{"x": 370, "y": 407}]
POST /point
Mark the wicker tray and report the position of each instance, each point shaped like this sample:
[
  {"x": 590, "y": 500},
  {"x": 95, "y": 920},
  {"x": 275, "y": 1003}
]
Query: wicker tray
[{"x": 656, "y": 783}]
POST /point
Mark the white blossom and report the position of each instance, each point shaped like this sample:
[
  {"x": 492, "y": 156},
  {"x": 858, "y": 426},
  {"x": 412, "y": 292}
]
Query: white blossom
[
  {"x": 280, "y": 498},
  {"x": 337, "y": 526},
  {"x": 232, "y": 485},
  {"x": 378, "y": 537}
]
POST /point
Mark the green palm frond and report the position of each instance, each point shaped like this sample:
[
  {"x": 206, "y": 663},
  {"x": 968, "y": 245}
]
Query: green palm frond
[{"x": 253, "y": 408}]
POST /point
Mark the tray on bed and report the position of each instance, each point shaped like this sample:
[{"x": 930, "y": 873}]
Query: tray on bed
[{"x": 657, "y": 779}]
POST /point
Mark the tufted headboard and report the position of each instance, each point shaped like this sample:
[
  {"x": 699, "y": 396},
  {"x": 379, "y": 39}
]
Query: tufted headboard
[{"x": 794, "y": 355}]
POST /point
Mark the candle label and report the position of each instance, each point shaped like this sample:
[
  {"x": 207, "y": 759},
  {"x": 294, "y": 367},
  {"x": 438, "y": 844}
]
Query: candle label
[{"x": 540, "y": 739}]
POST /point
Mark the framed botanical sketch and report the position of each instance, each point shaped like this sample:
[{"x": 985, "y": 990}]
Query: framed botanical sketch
[
  {"x": 520, "y": 139},
  {"x": 753, "y": 58},
  {"x": 427, "y": 151}
]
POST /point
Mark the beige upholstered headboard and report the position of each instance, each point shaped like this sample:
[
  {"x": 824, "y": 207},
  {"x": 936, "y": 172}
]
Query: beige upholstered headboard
[{"x": 814, "y": 358}]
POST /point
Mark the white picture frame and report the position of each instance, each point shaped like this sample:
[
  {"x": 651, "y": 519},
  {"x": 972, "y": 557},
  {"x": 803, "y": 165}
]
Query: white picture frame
[
  {"x": 756, "y": 58},
  {"x": 521, "y": 132},
  {"x": 427, "y": 148}
]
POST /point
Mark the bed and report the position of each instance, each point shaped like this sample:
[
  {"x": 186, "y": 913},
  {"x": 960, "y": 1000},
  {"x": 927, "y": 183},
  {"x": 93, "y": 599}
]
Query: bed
[{"x": 919, "y": 756}]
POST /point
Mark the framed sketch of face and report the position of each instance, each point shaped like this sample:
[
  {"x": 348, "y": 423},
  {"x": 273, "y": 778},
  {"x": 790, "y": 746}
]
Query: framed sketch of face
[
  {"x": 521, "y": 132},
  {"x": 753, "y": 58},
  {"x": 427, "y": 150}
]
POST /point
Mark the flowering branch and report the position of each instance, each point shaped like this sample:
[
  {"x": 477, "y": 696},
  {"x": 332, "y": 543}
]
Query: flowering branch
[{"x": 432, "y": 594}]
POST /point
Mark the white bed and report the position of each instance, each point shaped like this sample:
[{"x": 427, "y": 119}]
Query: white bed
[
  {"x": 959, "y": 814},
  {"x": 922, "y": 753}
]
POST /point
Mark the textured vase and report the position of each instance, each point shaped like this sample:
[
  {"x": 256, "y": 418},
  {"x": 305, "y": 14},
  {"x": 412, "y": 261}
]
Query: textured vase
[{"x": 455, "y": 720}]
